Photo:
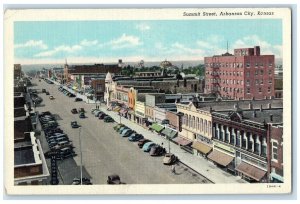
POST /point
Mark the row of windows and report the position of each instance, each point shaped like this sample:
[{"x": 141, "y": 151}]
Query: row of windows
[
  {"x": 227, "y": 81},
  {"x": 259, "y": 90},
  {"x": 258, "y": 81},
  {"x": 226, "y": 89},
  {"x": 225, "y": 73},
  {"x": 197, "y": 123},
  {"x": 237, "y": 64},
  {"x": 241, "y": 139},
  {"x": 259, "y": 72}
]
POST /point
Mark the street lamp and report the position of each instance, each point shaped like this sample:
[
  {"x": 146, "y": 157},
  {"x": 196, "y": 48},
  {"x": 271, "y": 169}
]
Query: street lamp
[
  {"x": 168, "y": 137},
  {"x": 80, "y": 156}
]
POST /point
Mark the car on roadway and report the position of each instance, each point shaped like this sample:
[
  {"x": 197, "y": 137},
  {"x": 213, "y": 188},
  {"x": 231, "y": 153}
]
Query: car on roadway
[
  {"x": 114, "y": 179},
  {"x": 71, "y": 95},
  {"x": 78, "y": 99},
  {"x": 74, "y": 124},
  {"x": 102, "y": 116},
  {"x": 142, "y": 142},
  {"x": 62, "y": 144},
  {"x": 47, "y": 93},
  {"x": 127, "y": 133},
  {"x": 81, "y": 115},
  {"x": 147, "y": 146},
  {"x": 51, "y": 97},
  {"x": 65, "y": 153},
  {"x": 157, "y": 150},
  {"x": 108, "y": 119},
  {"x": 43, "y": 90},
  {"x": 135, "y": 137},
  {"x": 169, "y": 159},
  {"x": 123, "y": 128},
  {"x": 74, "y": 111},
  {"x": 98, "y": 113},
  {"x": 118, "y": 126}
]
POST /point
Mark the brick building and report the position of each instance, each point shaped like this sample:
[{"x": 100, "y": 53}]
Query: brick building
[
  {"x": 245, "y": 75},
  {"x": 17, "y": 71}
]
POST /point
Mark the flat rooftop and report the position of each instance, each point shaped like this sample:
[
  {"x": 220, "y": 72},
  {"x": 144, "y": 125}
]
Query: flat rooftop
[{"x": 24, "y": 156}]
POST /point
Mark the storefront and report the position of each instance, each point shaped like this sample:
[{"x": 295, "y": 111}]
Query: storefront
[
  {"x": 250, "y": 172},
  {"x": 223, "y": 156},
  {"x": 156, "y": 127},
  {"x": 201, "y": 149}
]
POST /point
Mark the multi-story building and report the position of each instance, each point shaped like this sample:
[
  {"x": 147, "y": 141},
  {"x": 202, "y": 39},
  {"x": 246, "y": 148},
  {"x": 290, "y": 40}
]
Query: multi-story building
[
  {"x": 245, "y": 75},
  {"x": 17, "y": 71}
]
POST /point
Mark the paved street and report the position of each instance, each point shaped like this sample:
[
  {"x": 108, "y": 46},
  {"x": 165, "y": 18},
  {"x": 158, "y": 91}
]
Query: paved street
[{"x": 105, "y": 151}]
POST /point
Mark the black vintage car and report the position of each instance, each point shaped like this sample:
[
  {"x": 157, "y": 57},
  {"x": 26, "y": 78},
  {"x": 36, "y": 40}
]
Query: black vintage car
[
  {"x": 114, "y": 179},
  {"x": 157, "y": 151}
]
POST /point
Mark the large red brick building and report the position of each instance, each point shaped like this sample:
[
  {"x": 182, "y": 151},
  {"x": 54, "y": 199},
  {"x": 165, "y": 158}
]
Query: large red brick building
[{"x": 245, "y": 75}]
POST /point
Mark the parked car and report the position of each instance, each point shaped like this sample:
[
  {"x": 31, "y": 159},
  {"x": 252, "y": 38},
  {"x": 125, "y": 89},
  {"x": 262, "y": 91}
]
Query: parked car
[
  {"x": 51, "y": 97},
  {"x": 147, "y": 146},
  {"x": 118, "y": 126},
  {"x": 114, "y": 179},
  {"x": 63, "y": 144},
  {"x": 157, "y": 150},
  {"x": 123, "y": 128},
  {"x": 43, "y": 90},
  {"x": 74, "y": 111},
  {"x": 65, "y": 153},
  {"x": 78, "y": 99},
  {"x": 170, "y": 159},
  {"x": 71, "y": 95},
  {"x": 127, "y": 133},
  {"x": 47, "y": 93},
  {"x": 109, "y": 119},
  {"x": 135, "y": 137},
  {"x": 81, "y": 115},
  {"x": 102, "y": 116},
  {"x": 85, "y": 181},
  {"x": 142, "y": 142},
  {"x": 93, "y": 110},
  {"x": 74, "y": 124},
  {"x": 99, "y": 113}
]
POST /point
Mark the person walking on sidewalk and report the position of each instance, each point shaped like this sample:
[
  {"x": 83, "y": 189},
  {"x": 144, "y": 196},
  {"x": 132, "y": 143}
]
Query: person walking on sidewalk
[{"x": 173, "y": 169}]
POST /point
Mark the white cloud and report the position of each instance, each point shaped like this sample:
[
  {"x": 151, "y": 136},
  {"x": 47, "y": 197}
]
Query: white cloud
[
  {"x": 88, "y": 43},
  {"x": 182, "y": 49},
  {"x": 68, "y": 49},
  {"x": 142, "y": 27},
  {"x": 33, "y": 43},
  {"x": 254, "y": 40},
  {"x": 62, "y": 48},
  {"x": 125, "y": 41}
]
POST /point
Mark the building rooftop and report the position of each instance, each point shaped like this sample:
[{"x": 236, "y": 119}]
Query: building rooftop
[{"x": 23, "y": 155}]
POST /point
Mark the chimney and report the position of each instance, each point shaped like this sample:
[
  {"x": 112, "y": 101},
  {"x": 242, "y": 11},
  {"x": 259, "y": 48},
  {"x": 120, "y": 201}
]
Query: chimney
[
  {"x": 250, "y": 106},
  {"x": 271, "y": 118},
  {"x": 254, "y": 114},
  {"x": 256, "y": 50}
]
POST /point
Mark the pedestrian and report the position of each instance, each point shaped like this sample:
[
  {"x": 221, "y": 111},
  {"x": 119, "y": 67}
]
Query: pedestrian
[
  {"x": 173, "y": 169},
  {"x": 162, "y": 144}
]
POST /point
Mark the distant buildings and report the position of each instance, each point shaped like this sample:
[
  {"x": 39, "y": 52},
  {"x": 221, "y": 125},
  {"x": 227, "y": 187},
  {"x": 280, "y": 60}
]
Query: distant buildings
[{"x": 245, "y": 75}]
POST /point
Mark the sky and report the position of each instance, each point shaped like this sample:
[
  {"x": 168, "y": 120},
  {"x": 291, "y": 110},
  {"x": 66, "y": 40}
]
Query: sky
[{"x": 43, "y": 42}]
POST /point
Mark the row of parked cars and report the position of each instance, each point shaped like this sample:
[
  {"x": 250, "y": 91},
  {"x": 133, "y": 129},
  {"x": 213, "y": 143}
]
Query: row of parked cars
[
  {"x": 102, "y": 116},
  {"x": 66, "y": 92},
  {"x": 145, "y": 144},
  {"x": 57, "y": 140},
  {"x": 80, "y": 112}
]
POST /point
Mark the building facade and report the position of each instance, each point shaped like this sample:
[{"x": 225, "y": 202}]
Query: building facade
[{"x": 245, "y": 75}]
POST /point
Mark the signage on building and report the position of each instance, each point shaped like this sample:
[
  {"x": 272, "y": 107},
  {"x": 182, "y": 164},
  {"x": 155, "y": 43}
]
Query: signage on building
[
  {"x": 224, "y": 147},
  {"x": 54, "y": 179}
]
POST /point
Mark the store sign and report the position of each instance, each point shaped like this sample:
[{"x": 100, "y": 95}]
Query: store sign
[{"x": 224, "y": 147}]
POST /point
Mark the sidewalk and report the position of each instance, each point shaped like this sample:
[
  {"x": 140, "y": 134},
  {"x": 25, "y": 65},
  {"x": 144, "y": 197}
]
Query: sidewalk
[{"x": 197, "y": 163}]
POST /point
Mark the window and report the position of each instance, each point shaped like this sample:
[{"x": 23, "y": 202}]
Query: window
[
  {"x": 205, "y": 126},
  {"x": 248, "y": 74},
  {"x": 256, "y": 72},
  {"x": 256, "y": 81},
  {"x": 259, "y": 89},
  {"x": 241, "y": 73},
  {"x": 270, "y": 80},
  {"x": 274, "y": 150},
  {"x": 197, "y": 124},
  {"x": 242, "y": 82},
  {"x": 269, "y": 89},
  {"x": 248, "y": 90},
  {"x": 261, "y": 72},
  {"x": 270, "y": 64},
  {"x": 261, "y": 81},
  {"x": 201, "y": 125},
  {"x": 248, "y": 64},
  {"x": 270, "y": 72},
  {"x": 248, "y": 82},
  {"x": 190, "y": 121},
  {"x": 256, "y": 64}
]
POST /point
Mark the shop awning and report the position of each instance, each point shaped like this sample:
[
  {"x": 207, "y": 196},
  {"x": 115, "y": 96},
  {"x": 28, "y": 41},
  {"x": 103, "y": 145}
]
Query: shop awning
[
  {"x": 220, "y": 158},
  {"x": 157, "y": 127},
  {"x": 123, "y": 111},
  {"x": 182, "y": 141},
  {"x": 251, "y": 171},
  {"x": 201, "y": 147},
  {"x": 169, "y": 133},
  {"x": 131, "y": 112}
]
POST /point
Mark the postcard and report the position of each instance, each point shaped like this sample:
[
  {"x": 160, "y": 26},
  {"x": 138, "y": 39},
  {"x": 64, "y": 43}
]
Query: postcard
[{"x": 148, "y": 101}]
